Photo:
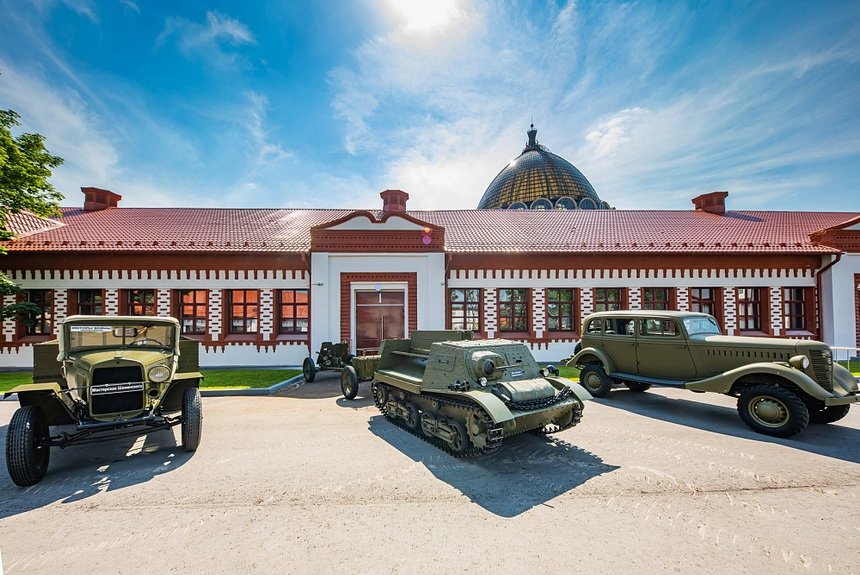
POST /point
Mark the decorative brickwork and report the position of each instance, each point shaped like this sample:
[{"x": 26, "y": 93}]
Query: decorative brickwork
[
  {"x": 163, "y": 299},
  {"x": 267, "y": 314},
  {"x": 215, "y": 313},
  {"x": 730, "y": 317},
  {"x": 111, "y": 302},
  {"x": 538, "y": 312},
  {"x": 857, "y": 312},
  {"x": 8, "y": 323},
  {"x": 635, "y": 297},
  {"x": 61, "y": 306},
  {"x": 490, "y": 312},
  {"x": 586, "y": 296},
  {"x": 683, "y": 295},
  {"x": 776, "y": 311}
]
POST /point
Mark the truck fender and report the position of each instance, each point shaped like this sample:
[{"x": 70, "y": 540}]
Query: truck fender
[
  {"x": 843, "y": 379},
  {"x": 580, "y": 392},
  {"x": 497, "y": 409},
  {"x": 723, "y": 383},
  {"x": 49, "y": 397},
  {"x": 592, "y": 355}
]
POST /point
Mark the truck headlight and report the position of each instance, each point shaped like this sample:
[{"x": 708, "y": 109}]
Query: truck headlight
[
  {"x": 799, "y": 362},
  {"x": 159, "y": 373}
]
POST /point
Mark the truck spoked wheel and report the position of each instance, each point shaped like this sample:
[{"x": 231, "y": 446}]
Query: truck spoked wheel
[
  {"x": 349, "y": 382},
  {"x": 773, "y": 410},
  {"x": 27, "y": 446}
]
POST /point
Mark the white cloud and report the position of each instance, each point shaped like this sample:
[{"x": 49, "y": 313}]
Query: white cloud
[
  {"x": 208, "y": 41},
  {"x": 85, "y": 8}
]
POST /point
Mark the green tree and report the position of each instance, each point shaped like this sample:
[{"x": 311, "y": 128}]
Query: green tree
[{"x": 25, "y": 166}]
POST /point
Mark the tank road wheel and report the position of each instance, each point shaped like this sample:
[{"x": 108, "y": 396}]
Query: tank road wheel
[
  {"x": 593, "y": 378},
  {"x": 413, "y": 420},
  {"x": 459, "y": 441},
  {"x": 309, "y": 370},
  {"x": 828, "y": 414},
  {"x": 380, "y": 394},
  {"x": 637, "y": 386},
  {"x": 192, "y": 419},
  {"x": 773, "y": 410},
  {"x": 349, "y": 382},
  {"x": 27, "y": 449}
]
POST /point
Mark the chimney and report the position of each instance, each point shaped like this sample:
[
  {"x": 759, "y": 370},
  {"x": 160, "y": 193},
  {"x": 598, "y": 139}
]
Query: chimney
[
  {"x": 96, "y": 199},
  {"x": 394, "y": 200},
  {"x": 713, "y": 203}
]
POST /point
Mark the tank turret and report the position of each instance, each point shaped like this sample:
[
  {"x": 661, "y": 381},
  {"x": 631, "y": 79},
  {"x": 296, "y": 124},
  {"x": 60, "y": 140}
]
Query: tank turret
[{"x": 466, "y": 396}]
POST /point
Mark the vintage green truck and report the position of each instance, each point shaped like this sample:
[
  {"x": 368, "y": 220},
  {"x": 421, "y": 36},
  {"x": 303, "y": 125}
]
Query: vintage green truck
[
  {"x": 108, "y": 376},
  {"x": 781, "y": 385}
]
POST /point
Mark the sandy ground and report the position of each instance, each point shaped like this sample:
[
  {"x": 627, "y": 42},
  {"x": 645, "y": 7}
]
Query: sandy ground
[{"x": 306, "y": 482}]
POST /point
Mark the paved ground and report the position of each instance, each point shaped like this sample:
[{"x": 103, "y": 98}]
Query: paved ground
[{"x": 305, "y": 482}]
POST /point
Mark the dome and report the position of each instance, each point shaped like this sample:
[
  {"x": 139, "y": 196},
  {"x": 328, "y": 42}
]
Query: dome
[{"x": 538, "y": 179}]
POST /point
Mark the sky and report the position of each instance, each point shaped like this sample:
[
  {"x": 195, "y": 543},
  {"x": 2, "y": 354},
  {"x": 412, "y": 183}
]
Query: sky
[{"x": 325, "y": 103}]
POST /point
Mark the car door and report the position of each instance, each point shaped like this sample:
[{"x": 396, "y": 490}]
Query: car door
[
  {"x": 619, "y": 342},
  {"x": 662, "y": 350}
]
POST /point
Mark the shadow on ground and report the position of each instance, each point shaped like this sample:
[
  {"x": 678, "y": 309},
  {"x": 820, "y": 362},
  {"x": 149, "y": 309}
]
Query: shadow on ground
[
  {"x": 81, "y": 471},
  {"x": 326, "y": 385},
  {"x": 831, "y": 440},
  {"x": 528, "y": 471}
]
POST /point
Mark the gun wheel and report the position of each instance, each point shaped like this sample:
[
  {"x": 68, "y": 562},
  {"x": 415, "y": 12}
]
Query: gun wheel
[
  {"x": 309, "y": 370},
  {"x": 349, "y": 382}
]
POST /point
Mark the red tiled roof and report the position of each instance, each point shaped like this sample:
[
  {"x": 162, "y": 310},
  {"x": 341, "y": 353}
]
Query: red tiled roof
[
  {"x": 288, "y": 230},
  {"x": 25, "y": 224}
]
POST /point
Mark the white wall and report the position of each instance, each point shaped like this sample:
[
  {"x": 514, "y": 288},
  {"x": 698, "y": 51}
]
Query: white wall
[{"x": 837, "y": 294}]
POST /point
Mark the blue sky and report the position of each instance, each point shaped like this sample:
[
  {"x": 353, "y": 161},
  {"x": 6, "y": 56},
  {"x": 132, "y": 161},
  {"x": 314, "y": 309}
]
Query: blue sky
[{"x": 327, "y": 103}]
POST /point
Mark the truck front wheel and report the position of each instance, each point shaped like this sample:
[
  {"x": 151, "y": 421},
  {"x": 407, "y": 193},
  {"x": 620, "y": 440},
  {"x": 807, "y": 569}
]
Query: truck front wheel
[
  {"x": 27, "y": 446},
  {"x": 773, "y": 410},
  {"x": 192, "y": 419},
  {"x": 828, "y": 414}
]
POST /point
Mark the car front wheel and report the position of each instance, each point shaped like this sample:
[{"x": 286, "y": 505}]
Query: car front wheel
[
  {"x": 27, "y": 446},
  {"x": 593, "y": 378},
  {"x": 773, "y": 410},
  {"x": 192, "y": 419}
]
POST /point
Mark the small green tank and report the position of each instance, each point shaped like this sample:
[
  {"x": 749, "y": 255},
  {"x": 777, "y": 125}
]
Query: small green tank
[{"x": 466, "y": 396}]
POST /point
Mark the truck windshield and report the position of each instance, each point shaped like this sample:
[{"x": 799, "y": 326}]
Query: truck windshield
[
  {"x": 701, "y": 325},
  {"x": 89, "y": 336}
]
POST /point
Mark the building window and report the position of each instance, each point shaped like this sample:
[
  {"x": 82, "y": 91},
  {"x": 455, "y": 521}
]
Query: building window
[
  {"x": 91, "y": 302},
  {"x": 140, "y": 302},
  {"x": 41, "y": 322},
  {"x": 465, "y": 313},
  {"x": 293, "y": 311},
  {"x": 513, "y": 310},
  {"x": 749, "y": 309},
  {"x": 656, "y": 298},
  {"x": 608, "y": 299},
  {"x": 244, "y": 310},
  {"x": 706, "y": 300},
  {"x": 796, "y": 309},
  {"x": 561, "y": 309},
  {"x": 193, "y": 311}
]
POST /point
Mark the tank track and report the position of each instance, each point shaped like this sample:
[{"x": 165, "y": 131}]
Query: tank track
[
  {"x": 494, "y": 431},
  {"x": 551, "y": 428}
]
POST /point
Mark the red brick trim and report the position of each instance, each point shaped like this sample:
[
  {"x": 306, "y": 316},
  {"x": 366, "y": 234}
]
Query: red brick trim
[{"x": 857, "y": 310}]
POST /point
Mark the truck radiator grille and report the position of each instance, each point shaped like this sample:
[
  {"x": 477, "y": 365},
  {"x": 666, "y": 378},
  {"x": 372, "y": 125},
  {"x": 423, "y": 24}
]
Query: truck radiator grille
[
  {"x": 822, "y": 367},
  {"x": 117, "y": 389}
]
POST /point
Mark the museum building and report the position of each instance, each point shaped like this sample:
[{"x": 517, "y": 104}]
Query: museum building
[{"x": 542, "y": 251}]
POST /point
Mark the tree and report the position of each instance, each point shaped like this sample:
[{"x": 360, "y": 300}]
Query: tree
[{"x": 25, "y": 166}]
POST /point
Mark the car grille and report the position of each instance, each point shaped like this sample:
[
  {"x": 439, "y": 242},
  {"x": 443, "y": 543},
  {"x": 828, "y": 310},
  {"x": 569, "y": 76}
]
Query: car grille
[
  {"x": 822, "y": 367},
  {"x": 117, "y": 389}
]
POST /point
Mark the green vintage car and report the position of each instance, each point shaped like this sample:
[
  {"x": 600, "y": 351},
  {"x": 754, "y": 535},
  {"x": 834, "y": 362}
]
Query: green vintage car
[
  {"x": 781, "y": 384},
  {"x": 108, "y": 376}
]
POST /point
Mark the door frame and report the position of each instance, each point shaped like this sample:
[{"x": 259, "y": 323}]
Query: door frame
[{"x": 376, "y": 286}]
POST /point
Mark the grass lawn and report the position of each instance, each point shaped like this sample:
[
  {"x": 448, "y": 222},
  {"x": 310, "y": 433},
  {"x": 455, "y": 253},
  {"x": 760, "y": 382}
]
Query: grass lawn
[{"x": 213, "y": 378}]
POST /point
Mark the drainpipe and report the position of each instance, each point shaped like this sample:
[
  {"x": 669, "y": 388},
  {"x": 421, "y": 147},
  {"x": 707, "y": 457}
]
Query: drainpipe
[{"x": 818, "y": 273}]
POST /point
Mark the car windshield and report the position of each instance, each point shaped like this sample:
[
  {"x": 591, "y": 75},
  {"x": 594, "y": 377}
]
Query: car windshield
[
  {"x": 89, "y": 336},
  {"x": 701, "y": 325}
]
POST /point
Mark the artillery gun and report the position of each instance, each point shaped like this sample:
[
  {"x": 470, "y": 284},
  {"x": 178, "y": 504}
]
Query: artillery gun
[
  {"x": 336, "y": 357},
  {"x": 466, "y": 396}
]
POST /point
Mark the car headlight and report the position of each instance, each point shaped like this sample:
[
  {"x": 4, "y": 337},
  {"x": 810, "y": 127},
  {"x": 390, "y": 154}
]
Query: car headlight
[
  {"x": 799, "y": 362},
  {"x": 159, "y": 373}
]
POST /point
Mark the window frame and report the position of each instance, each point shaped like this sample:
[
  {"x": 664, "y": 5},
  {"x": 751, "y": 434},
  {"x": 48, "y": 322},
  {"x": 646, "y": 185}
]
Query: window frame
[
  {"x": 465, "y": 304},
  {"x": 573, "y": 315},
  {"x": 512, "y": 305},
  {"x": 89, "y": 307},
  {"x": 761, "y": 316},
  {"x": 294, "y": 305},
  {"x": 129, "y": 304},
  {"x": 668, "y": 302},
  {"x": 232, "y": 305},
  {"x": 807, "y": 305},
  {"x": 621, "y": 303},
  {"x": 45, "y": 317},
  {"x": 715, "y": 301},
  {"x": 195, "y": 305}
]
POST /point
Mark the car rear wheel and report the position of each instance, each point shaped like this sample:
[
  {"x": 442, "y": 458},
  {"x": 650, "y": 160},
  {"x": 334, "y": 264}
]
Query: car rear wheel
[
  {"x": 594, "y": 379},
  {"x": 828, "y": 414},
  {"x": 309, "y": 370},
  {"x": 27, "y": 446},
  {"x": 192, "y": 419},
  {"x": 773, "y": 410},
  {"x": 349, "y": 382},
  {"x": 637, "y": 386}
]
